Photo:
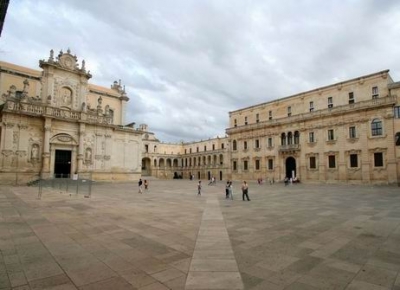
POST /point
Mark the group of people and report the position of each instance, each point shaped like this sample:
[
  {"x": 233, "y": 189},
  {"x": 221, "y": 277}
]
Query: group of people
[
  {"x": 229, "y": 190},
  {"x": 141, "y": 183}
]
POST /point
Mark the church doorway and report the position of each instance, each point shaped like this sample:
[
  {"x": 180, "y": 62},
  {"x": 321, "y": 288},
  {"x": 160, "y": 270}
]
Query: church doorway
[
  {"x": 62, "y": 163},
  {"x": 290, "y": 167}
]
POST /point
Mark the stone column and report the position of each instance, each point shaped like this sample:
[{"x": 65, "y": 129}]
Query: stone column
[
  {"x": 82, "y": 133},
  {"x": 46, "y": 148}
]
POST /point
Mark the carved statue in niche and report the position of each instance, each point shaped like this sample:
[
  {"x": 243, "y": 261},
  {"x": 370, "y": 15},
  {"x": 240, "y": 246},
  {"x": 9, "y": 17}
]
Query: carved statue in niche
[
  {"x": 107, "y": 110},
  {"x": 83, "y": 107},
  {"x": 88, "y": 155},
  {"x": 66, "y": 96},
  {"x": 35, "y": 152}
]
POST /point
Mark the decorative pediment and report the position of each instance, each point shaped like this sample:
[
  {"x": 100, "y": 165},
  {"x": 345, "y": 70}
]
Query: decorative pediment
[
  {"x": 63, "y": 138},
  {"x": 66, "y": 61}
]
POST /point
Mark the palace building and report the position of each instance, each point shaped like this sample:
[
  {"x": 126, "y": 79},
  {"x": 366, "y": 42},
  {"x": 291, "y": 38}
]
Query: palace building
[
  {"x": 345, "y": 132},
  {"x": 54, "y": 123}
]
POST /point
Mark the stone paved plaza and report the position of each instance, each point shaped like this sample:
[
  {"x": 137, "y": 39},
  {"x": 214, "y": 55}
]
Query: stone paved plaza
[{"x": 294, "y": 237}]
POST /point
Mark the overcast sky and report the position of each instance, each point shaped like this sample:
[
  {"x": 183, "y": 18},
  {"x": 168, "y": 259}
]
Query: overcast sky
[{"x": 187, "y": 63}]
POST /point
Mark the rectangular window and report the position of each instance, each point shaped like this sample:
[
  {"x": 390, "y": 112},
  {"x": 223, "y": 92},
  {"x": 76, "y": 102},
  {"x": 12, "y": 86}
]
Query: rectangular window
[
  {"x": 270, "y": 164},
  {"x": 289, "y": 111},
  {"x": 353, "y": 160},
  {"x": 311, "y": 138},
  {"x": 235, "y": 122},
  {"x": 245, "y": 145},
  {"x": 332, "y": 161},
  {"x": 330, "y": 102},
  {"x": 351, "y": 98},
  {"x": 375, "y": 92},
  {"x": 331, "y": 135},
  {"x": 222, "y": 146},
  {"x": 258, "y": 164},
  {"x": 257, "y": 118},
  {"x": 313, "y": 163},
  {"x": 397, "y": 112},
  {"x": 185, "y": 151},
  {"x": 234, "y": 165},
  {"x": 269, "y": 142},
  {"x": 378, "y": 159},
  {"x": 213, "y": 146},
  {"x": 205, "y": 148},
  {"x": 352, "y": 132},
  {"x": 245, "y": 120},
  {"x": 376, "y": 127},
  {"x": 245, "y": 165},
  {"x": 257, "y": 145},
  {"x": 197, "y": 149},
  {"x": 270, "y": 115},
  {"x": 311, "y": 106}
]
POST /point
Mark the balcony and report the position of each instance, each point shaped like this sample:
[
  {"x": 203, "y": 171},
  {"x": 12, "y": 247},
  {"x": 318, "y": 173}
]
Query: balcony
[
  {"x": 289, "y": 148},
  {"x": 40, "y": 109}
]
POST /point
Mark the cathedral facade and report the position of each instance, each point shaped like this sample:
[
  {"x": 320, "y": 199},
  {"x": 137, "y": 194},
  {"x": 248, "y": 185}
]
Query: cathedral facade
[{"x": 54, "y": 123}]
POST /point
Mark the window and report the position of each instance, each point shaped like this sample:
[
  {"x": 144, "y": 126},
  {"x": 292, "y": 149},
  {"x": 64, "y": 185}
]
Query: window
[
  {"x": 397, "y": 138},
  {"x": 213, "y": 146},
  {"x": 245, "y": 165},
  {"x": 330, "y": 102},
  {"x": 205, "y": 147},
  {"x": 197, "y": 149},
  {"x": 235, "y": 122},
  {"x": 245, "y": 145},
  {"x": 311, "y": 137},
  {"x": 190, "y": 150},
  {"x": 332, "y": 161},
  {"x": 257, "y": 145},
  {"x": 283, "y": 139},
  {"x": 270, "y": 164},
  {"x": 331, "y": 135},
  {"x": 222, "y": 146},
  {"x": 353, "y": 160},
  {"x": 375, "y": 92},
  {"x": 258, "y": 164},
  {"x": 289, "y": 111},
  {"x": 270, "y": 115},
  {"x": 352, "y": 132},
  {"x": 185, "y": 151},
  {"x": 378, "y": 159},
  {"x": 245, "y": 120},
  {"x": 376, "y": 127},
  {"x": 311, "y": 106},
  {"x": 234, "y": 145},
  {"x": 351, "y": 98},
  {"x": 313, "y": 162},
  {"x": 397, "y": 112},
  {"x": 234, "y": 165},
  {"x": 296, "y": 137},
  {"x": 257, "y": 118},
  {"x": 269, "y": 142}
]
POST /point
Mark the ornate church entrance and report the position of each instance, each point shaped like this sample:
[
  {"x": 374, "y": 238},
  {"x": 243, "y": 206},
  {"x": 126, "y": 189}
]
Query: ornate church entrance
[
  {"x": 62, "y": 163},
  {"x": 290, "y": 167}
]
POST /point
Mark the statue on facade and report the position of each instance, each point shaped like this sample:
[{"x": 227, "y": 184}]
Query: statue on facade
[{"x": 35, "y": 152}]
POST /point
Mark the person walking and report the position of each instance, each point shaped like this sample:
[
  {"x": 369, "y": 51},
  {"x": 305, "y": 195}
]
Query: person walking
[
  {"x": 146, "y": 184},
  {"x": 140, "y": 184},
  {"x": 231, "y": 190},
  {"x": 245, "y": 191},
  {"x": 199, "y": 188},
  {"x": 227, "y": 189}
]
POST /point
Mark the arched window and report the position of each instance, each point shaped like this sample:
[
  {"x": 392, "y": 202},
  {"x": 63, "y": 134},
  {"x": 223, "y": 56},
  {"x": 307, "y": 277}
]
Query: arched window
[
  {"x": 296, "y": 137},
  {"x": 397, "y": 138},
  {"x": 376, "y": 127},
  {"x": 283, "y": 139},
  {"x": 234, "y": 145},
  {"x": 290, "y": 138}
]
